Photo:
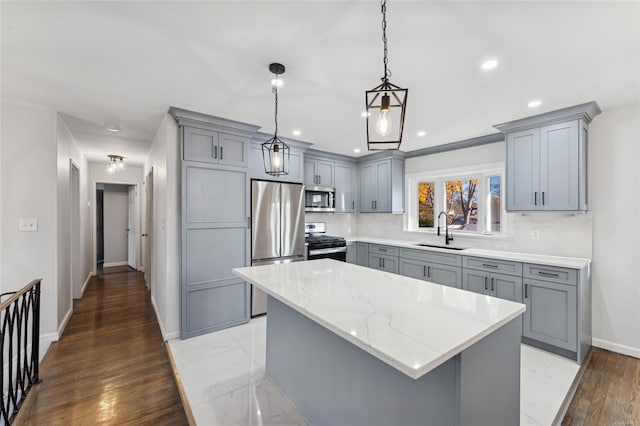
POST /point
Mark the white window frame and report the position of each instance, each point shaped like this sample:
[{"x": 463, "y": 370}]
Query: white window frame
[{"x": 482, "y": 172}]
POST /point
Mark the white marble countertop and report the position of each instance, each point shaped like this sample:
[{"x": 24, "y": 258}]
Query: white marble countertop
[
  {"x": 410, "y": 324},
  {"x": 565, "y": 262}
]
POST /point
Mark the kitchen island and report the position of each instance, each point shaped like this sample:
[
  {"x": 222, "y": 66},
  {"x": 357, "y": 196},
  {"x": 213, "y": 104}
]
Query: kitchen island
[{"x": 353, "y": 345}]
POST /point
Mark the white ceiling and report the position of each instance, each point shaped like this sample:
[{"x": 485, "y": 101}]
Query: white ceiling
[{"x": 97, "y": 62}]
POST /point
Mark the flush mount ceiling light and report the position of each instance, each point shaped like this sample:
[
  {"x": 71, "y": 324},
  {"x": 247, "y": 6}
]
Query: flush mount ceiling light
[
  {"x": 275, "y": 153},
  {"x": 116, "y": 163},
  {"x": 388, "y": 102}
]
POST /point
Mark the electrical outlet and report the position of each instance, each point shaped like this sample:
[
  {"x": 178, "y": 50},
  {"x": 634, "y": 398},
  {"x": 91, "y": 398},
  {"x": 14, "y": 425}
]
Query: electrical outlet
[
  {"x": 388, "y": 225},
  {"x": 28, "y": 225},
  {"x": 535, "y": 234}
]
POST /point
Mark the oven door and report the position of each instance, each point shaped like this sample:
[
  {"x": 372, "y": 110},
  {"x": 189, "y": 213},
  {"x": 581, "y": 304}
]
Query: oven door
[{"x": 337, "y": 253}]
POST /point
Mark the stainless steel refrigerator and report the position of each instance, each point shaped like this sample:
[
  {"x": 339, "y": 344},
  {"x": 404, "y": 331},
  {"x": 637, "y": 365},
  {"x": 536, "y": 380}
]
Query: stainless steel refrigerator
[{"x": 277, "y": 229}]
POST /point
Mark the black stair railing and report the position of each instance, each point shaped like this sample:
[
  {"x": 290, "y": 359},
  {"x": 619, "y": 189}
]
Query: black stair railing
[{"x": 20, "y": 347}]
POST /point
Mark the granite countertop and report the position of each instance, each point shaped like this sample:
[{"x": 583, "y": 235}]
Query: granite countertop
[
  {"x": 410, "y": 324},
  {"x": 565, "y": 262}
]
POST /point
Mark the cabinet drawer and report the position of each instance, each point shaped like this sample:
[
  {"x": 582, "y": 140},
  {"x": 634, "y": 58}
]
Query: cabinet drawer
[
  {"x": 388, "y": 250},
  {"x": 492, "y": 265},
  {"x": 551, "y": 273},
  {"x": 432, "y": 256}
]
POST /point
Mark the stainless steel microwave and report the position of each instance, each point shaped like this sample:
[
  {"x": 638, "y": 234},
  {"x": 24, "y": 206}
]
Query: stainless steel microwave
[{"x": 319, "y": 199}]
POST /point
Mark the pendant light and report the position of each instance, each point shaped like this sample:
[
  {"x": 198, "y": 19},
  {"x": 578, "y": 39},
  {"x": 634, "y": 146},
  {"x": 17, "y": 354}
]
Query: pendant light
[
  {"x": 386, "y": 105},
  {"x": 275, "y": 153},
  {"x": 116, "y": 163}
]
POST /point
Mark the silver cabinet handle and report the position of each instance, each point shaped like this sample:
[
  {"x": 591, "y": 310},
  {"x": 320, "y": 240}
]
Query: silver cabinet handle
[
  {"x": 488, "y": 265},
  {"x": 548, "y": 274},
  {"x": 249, "y": 222},
  {"x": 492, "y": 284},
  {"x": 215, "y": 152},
  {"x": 525, "y": 290},
  {"x": 485, "y": 284},
  {"x": 543, "y": 198},
  {"x": 429, "y": 271},
  {"x": 353, "y": 205},
  {"x": 535, "y": 198},
  {"x": 221, "y": 152},
  {"x": 424, "y": 270}
]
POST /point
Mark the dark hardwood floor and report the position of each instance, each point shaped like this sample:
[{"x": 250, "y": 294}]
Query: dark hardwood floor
[
  {"x": 608, "y": 393},
  {"x": 111, "y": 365}
]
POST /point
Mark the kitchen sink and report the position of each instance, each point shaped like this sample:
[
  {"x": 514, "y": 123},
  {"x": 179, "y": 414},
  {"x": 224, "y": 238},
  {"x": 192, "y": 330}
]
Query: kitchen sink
[{"x": 440, "y": 247}]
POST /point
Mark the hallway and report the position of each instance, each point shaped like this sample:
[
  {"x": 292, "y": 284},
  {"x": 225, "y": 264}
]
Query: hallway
[{"x": 111, "y": 365}]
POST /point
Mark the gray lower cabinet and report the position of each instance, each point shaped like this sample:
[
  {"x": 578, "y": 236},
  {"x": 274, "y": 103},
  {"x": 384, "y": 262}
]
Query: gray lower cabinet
[
  {"x": 383, "y": 262},
  {"x": 551, "y": 315},
  {"x": 508, "y": 287},
  {"x": 362, "y": 254},
  {"x": 434, "y": 272},
  {"x": 351, "y": 252}
]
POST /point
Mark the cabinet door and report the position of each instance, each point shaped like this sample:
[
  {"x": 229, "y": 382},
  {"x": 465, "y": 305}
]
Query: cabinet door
[
  {"x": 362, "y": 254},
  {"x": 233, "y": 150},
  {"x": 325, "y": 173},
  {"x": 351, "y": 253},
  {"x": 523, "y": 170},
  {"x": 200, "y": 145},
  {"x": 475, "y": 281},
  {"x": 551, "y": 313},
  {"x": 446, "y": 275},
  {"x": 375, "y": 261},
  {"x": 559, "y": 166},
  {"x": 345, "y": 191},
  {"x": 366, "y": 176},
  {"x": 382, "y": 188},
  {"x": 413, "y": 269},
  {"x": 390, "y": 264},
  {"x": 506, "y": 287},
  {"x": 310, "y": 173},
  {"x": 215, "y": 197}
]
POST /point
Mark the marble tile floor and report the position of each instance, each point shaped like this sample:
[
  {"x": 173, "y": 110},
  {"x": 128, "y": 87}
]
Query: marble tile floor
[{"x": 225, "y": 383}]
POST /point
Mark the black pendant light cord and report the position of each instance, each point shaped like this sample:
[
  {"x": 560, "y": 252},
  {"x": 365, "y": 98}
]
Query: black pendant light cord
[
  {"x": 275, "y": 91},
  {"x": 387, "y": 71}
]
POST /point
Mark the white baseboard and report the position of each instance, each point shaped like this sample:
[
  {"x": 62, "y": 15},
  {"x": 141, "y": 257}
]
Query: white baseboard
[
  {"x": 64, "y": 322},
  {"x": 160, "y": 324},
  {"x": 86, "y": 282},
  {"x": 110, "y": 264},
  {"x": 45, "y": 341},
  {"x": 616, "y": 347},
  {"x": 172, "y": 335}
]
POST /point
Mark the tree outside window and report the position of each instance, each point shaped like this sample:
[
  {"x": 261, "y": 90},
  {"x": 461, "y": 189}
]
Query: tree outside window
[
  {"x": 425, "y": 204},
  {"x": 462, "y": 204}
]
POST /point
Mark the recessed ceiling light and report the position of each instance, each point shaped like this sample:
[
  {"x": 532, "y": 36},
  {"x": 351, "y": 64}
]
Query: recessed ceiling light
[
  {"x": 534, "y": 104},
  {"x": 364, "y": 114},
  {"x": 296, "y": 133},
  {"x": 422, "y": 133},
  {"x": 111, "y": 128},
  {"x": 278, "y": 82},
  {"x": 489, "y": 65},
  {"x": 356, "y": 150}
]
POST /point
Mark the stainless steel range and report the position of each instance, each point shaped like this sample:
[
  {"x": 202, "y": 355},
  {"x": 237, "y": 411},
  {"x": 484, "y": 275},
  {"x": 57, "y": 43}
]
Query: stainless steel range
[{"x": 322, "y": 246}]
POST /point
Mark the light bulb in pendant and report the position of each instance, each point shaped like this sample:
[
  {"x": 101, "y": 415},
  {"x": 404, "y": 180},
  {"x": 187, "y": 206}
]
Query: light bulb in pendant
[
  {"x": 276, "y": 162},
  {"x": 383, "y": 125}
]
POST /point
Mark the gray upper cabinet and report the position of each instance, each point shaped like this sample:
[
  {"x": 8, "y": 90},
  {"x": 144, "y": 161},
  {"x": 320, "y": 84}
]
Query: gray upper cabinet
[
  {"x": 318, "y": 172},
  {"x": 381, "y": 185},
  {"x": 209, "y": 146},
  {"x": 345, "y": 183},
  {"x": 547, "y": 160}
]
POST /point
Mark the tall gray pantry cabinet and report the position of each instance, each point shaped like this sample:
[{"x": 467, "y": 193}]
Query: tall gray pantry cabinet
[{"x": 215, "y": 222}]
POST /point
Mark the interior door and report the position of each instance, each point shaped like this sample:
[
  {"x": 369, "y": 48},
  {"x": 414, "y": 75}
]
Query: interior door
[{"x": 132, "y": 232}]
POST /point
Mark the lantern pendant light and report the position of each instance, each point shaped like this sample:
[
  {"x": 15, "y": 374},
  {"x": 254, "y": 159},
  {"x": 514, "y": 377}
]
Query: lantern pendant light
[
  {"x": 386, "y": 105},
  {"x": 275, "y": 153}
]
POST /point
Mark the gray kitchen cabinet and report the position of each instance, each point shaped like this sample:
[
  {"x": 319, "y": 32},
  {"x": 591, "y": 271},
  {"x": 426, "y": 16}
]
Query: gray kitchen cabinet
[
  {"x": 345, "y": 184},
  {"x": 551, "y": 315},
  {"x": 547, "y": 160},
  {"x": 351, "y": 252},
  {"x": 508, "y": 287},
  {"x": 318, "y": 172},
  {"x": 381, "y": 185},
  {"x": 362, "y": 254},
  {"x": 383, "y": 262},
  {"x": 205, "y": 145},
  {"x": 256, "y": 165},
  {"x": 433, "y": 272}
]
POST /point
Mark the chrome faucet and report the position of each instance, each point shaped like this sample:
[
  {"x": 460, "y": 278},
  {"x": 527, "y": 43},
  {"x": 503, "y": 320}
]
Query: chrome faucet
[{"x": 447, "y": 238}]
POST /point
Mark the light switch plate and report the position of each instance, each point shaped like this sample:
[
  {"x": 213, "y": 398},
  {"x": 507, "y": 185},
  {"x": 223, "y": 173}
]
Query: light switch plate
[
  {"x": 535, "y": 234},
  {"x": 27, "y": 225}
]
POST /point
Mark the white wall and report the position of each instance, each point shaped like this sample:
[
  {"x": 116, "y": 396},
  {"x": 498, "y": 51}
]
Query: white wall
[
  {"x": 165, "y": 235},
  {"x": 72, "y": 273},
  {"x": 28, "y": 169},
  {"x": 614, "y": 179},
  {"x": 116, "y": 217},
  {"x": 131, "y": 175}
]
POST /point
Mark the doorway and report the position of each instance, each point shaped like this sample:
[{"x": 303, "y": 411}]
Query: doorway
[
  {"x": 117, "y": 218},
  {"x": 148, "y": 246},
  {"x": 76, "y": 261}
]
